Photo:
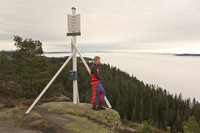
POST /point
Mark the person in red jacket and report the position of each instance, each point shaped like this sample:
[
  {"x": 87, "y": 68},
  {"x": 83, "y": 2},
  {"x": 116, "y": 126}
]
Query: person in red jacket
[{"x": 98, "y": 91}]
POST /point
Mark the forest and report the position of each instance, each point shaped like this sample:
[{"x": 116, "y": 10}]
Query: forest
[{"x": 132, "y": 98}]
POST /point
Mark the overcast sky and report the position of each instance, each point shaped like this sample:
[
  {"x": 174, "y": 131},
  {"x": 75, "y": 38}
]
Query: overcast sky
[{"x": 117, "y": 24}]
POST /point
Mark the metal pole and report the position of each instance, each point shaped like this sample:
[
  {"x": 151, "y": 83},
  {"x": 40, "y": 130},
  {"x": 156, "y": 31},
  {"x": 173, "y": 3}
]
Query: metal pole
[
  {"x": 83, "y": 60},
  {"x": 87, "y": 67},
  {"x": 107, "y": 102},
  {"x": 74, "y": 59},
  {"x": 50, "y": 82}
]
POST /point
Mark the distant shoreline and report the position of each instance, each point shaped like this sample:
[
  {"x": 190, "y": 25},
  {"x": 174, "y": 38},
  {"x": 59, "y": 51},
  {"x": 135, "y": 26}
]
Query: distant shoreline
[
  {"x": 187, "y": 54},
  {"x": 67, "y": 52}
]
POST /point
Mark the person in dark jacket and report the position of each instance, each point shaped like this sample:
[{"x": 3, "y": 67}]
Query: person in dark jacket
[{"x": 98, "y": 91}]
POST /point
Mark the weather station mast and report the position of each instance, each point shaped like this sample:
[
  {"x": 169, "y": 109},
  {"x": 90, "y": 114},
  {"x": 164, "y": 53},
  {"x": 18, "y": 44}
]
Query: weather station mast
[{"x": 73, "y": 31}]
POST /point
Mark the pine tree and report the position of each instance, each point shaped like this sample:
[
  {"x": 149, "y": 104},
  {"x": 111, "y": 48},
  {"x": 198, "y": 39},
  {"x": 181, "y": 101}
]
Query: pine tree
[
  {"x": 31, "y": 68},
  {"x": 4, "y": 65},
  {"x": 147, "y": 128},
  {"x": 133, "y": 115},
  {"x": 192, "y": 125}
]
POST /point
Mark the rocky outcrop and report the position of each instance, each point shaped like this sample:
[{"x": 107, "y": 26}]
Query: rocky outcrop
[{"x": 61, "y": 117}]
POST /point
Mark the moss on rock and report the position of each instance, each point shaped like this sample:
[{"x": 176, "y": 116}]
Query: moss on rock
[
  {"x": 83, "y": 125},
  {"x": 108, "y": 117},
  {"x": 6, "y": 114},
  {"x": 65, "y": 117},
  {"x": 62, "y": 98},
  {"x": 33, "y": 114}
]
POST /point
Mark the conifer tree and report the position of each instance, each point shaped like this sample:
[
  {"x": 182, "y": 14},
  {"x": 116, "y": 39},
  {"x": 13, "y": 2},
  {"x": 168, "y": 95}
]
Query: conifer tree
[
  {"x": 192, "y": 125},
  {"x": 31, "y": 68}
]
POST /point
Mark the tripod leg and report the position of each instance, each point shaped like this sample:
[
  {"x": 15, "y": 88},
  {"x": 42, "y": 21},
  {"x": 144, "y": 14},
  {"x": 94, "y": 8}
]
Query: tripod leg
[
  {"x": 50, "y": 82},
  {"x": 107, "y": 102}
]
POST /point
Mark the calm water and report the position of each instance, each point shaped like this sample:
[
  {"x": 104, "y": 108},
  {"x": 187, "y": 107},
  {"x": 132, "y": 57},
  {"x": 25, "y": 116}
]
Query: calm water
[{"x": 176, "y": 74}]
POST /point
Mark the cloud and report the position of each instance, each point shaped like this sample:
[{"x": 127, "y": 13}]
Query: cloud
[{"x": 133, "y": 23}]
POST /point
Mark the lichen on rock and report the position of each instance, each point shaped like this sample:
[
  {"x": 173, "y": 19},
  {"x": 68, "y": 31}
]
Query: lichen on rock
[
  {"x": 63, "y": 117},
  {"x": 6, "y": 114},
  {"x": 109, "y": 117}
]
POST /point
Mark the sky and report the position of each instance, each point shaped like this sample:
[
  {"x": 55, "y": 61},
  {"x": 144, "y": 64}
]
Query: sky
[{"x": 134, "y": 25}]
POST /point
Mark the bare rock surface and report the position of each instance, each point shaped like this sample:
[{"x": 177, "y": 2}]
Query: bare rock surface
[{"x": 60, "y": 117}]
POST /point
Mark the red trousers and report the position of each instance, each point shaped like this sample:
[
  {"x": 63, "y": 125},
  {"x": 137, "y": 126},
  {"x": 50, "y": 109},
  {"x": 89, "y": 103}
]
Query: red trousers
[{"x": 98, "y": 93}]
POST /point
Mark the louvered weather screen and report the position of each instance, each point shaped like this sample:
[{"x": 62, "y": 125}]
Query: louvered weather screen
[{"x": 74, "y": 28}]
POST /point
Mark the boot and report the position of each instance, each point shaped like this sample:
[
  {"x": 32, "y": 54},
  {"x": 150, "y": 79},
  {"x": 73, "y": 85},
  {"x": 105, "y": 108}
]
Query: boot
[
  {"x": 101, "y": 107},
  {"x": 95, "y": 108}
]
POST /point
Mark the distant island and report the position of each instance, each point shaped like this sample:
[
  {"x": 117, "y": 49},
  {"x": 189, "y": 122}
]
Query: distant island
[
  {"x": 56, "y": 52},
  {"x": 187, "y": 54}
]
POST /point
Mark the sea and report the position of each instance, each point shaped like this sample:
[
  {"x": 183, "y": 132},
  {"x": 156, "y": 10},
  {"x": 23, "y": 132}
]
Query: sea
[{"x": 176, "y": 74}]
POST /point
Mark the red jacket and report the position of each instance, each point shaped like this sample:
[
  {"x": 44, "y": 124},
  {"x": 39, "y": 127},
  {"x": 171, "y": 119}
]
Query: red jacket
[{"x": 94, "y": 71}]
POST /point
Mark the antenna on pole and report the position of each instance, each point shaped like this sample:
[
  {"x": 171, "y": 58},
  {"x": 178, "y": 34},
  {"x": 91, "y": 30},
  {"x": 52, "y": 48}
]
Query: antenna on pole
[{"x": 74, "y": 29}]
